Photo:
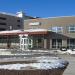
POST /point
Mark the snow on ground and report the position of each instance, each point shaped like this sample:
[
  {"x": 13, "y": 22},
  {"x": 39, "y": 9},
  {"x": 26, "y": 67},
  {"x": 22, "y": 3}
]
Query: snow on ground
[
  {"x": 68, "y": 51},
  {"x": 42, "y": 63}
]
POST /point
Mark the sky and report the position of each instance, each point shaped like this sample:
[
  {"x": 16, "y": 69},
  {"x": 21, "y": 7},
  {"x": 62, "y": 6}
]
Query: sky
[{"x": 39, "y": 8}]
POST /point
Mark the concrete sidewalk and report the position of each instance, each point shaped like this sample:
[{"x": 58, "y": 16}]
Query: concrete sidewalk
[{"x": 71, "y": 67}]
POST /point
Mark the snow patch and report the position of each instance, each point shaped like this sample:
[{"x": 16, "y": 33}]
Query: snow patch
[{"x": 42, "y": 63}]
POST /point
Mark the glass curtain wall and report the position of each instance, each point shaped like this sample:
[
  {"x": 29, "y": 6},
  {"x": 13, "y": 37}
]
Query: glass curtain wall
[
  {"x": 9, "y": 42},
  {"x": 71, "y": 43},
  {"x": 38, "y": 42},
  {"x": 56, "y": 43}
]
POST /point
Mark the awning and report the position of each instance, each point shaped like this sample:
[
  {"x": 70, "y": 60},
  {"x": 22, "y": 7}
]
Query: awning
[{"x": 29, "y": 32}]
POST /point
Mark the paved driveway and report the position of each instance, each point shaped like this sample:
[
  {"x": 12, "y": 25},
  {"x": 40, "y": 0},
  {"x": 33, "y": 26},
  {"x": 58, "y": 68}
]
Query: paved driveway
[{"x": 71, "y": 67}]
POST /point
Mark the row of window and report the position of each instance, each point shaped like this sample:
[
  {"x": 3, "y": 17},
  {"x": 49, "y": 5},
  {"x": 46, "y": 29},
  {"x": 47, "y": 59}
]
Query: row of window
[
  {"x": 12, "y": 40},
  {"x": 2, "y": 23},
  {"x": 10, "y": 27},
  {"x": 57, "y": 43},
  {"x": 3, "y": 18},
  {"x": 59, "y": 29}
]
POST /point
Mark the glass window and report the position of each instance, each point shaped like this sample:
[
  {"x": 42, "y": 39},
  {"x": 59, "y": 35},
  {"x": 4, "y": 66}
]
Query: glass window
[
  {"x": 18, "y": 20},
  {"x": 57, "y": 29},
  {"x": 53, "y": 43},
  {"x": 18, "y": 25},
  {"x": 2, "y": 29},
  {"x": 71, "y": 28},
  {"x": 2, "y": 18},
  {"x": 71, "y": 43},
  {"x": 56, "y": 43},
  {"x": 2, "y": 23}
]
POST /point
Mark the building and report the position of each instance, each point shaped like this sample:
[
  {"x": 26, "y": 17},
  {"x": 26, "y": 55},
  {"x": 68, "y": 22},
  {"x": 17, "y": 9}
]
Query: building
[
  {"x": 41, "y": 33},
  {"x": 60, "y": 32},
  {"x": 12, "y": 22}
]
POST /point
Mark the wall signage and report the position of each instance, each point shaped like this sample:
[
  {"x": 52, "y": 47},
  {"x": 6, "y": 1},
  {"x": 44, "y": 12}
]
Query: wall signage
[{"x": 35, "y": 23}]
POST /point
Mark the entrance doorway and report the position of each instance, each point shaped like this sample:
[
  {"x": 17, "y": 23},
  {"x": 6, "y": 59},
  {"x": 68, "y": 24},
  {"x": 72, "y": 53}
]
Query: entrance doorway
[{"x": 26, "y": 43}]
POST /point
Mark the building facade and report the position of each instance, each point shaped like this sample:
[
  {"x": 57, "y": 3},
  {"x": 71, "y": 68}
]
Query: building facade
[
  {"x": 61, "y": 32},
  {"x": 37, "y": 33},
  {"x": 12, "y": 22}
]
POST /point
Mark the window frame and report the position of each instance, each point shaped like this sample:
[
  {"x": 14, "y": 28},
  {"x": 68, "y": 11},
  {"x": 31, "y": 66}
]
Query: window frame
[
  {"x": 57, "y": 29},
  {"x": 70, "y": 29}
]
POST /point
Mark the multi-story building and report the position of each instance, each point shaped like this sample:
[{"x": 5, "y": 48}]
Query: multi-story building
[
  {"x": 58, "y": 32},
  {"x": 11, "y": 22},
  {"x": 41, "y": 33}
]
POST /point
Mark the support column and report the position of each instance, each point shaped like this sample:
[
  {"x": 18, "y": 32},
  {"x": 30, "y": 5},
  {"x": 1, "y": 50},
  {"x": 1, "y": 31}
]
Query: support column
[
  {"x": 64, "y": 42},
  {"x": 8, "y": 42},
  {"x": 20, "y": 36},
  {"x": 45, "y": 43},
  {"x": 50, "y": 43}
]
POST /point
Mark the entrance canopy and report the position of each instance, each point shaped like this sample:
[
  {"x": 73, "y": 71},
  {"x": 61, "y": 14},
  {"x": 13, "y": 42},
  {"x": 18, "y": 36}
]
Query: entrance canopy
[
  {"x": 29, "y": 32},
  {"x": 32, "y": 38}
]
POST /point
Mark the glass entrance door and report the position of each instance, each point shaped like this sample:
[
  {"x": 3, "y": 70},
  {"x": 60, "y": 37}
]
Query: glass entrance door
[{"x": 26, "y": 43}]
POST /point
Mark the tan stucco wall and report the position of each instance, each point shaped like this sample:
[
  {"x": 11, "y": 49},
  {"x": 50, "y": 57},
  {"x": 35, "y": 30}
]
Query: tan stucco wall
[{"x": 48, "y": 23}]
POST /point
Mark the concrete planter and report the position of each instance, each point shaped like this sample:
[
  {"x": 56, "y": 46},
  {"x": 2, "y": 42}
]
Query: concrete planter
[
  {"x": 32, "y": 72},
  {"x": 41, "y": 66}
]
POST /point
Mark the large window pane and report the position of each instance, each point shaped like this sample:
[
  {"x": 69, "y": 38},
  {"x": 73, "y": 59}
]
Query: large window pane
[
  {"x": 71, "y": 28},
  {"x": 56, "y": 43},
  {"x": 71, "y": 43},
  {"x": 57, "y": 29}
]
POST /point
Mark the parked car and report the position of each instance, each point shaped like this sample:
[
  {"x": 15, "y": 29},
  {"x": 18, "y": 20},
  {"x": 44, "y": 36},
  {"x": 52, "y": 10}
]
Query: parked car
[{"x": 65, "y": 50}]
